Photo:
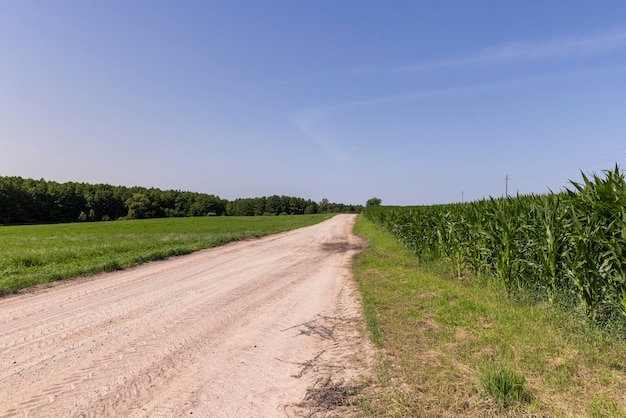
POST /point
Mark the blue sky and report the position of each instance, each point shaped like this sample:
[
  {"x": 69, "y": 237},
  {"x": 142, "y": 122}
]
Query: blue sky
[{"x": 415, "y": 102}]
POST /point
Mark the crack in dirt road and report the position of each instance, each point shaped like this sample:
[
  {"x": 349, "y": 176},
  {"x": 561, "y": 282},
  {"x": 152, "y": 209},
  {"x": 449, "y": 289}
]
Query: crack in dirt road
[{"x": 241, "y": 330}]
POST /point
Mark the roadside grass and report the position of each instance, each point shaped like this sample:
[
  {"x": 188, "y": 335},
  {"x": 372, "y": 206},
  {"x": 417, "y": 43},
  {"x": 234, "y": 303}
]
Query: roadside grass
[
  {"x": 462, "y": 347},
  {"x": 37, "y": 254}
]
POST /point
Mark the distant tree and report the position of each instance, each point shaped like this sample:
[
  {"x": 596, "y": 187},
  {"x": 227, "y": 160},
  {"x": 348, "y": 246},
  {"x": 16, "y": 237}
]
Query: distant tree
[
  {"x": 38, "y": 201},
  {"x": 205, "y": 205},
  {"x": 259, "y": 206},
  {"x": 323, "y": 206},
  {"x": 311, "y": 207},
  {"x": 296, "y": 206},
  {"x": 273, "y": 205},
  {"x": 139, "y": 206},
  {"x": 374, "y": 201},
  {"x": 15, "y": 202},
  {"x": 241, "y": 207}
]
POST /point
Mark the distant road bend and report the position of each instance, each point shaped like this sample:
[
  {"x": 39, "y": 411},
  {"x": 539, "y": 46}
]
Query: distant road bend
[{"x": 236, "y": 331}]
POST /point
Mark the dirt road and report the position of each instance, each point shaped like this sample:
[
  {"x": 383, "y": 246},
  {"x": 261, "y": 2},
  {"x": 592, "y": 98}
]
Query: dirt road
[{"x": 240, "y": 331}]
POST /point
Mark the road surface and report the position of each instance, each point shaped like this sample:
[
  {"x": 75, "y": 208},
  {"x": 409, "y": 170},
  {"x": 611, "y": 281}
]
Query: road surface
[{"x": 241, "y": 330}]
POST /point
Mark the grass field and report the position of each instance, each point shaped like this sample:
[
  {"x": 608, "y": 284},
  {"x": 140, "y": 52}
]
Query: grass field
[
  {"x": 36, "y": 254},
  {"x": 465, "y": 347}
]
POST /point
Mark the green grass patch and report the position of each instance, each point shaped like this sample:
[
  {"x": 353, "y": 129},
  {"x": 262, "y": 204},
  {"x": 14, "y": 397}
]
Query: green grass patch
[
  {"x": 505, "y": 385},
  {"x": 36, "y": 254},
  {"x": 466, "y": 347}
]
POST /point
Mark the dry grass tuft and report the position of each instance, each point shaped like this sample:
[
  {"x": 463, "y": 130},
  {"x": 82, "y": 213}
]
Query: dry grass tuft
[{"x": 329, "y": 398}]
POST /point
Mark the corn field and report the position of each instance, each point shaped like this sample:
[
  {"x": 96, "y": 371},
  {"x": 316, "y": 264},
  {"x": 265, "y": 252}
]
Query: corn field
[{"x": 568, "y": 246}]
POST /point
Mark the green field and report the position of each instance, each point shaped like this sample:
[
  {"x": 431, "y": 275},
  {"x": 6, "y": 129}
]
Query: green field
[
  {"x": 567, "y": 247},
  {"x": 450, "y": 346},
  {"x": 36, "y": 254}
]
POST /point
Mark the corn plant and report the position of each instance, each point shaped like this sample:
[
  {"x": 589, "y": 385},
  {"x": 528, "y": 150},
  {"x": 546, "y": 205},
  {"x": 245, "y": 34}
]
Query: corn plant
[
  {"x": 502, "y": 233},
  {"x": 597, "y": 265},
  {"x": 549, "y": 243},
  {"x": 573, "y": 241}
]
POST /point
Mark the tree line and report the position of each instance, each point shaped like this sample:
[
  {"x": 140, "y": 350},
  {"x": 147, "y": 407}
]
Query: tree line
[{"x": 28, "y": 201}]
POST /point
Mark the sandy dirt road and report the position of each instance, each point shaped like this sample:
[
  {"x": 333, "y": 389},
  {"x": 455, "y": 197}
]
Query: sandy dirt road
[{"x": 240, "y": 331}]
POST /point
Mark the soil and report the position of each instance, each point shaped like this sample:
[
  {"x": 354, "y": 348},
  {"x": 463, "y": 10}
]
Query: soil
[{"x": 250, "y": 329}]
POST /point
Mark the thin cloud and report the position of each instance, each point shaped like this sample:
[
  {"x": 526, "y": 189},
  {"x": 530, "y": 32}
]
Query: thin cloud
[
  {"x": 467, "y": 89},
  {"x": 601, "y": 43},
  {"x": 305, "y": 121},
  {"x": 308, "y": 120},
  {"x": 598, "y": 44}
]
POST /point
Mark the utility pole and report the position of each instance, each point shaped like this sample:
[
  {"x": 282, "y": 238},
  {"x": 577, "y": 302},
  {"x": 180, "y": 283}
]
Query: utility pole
[
  {"x": 506, "y": 186},
  {"x": 462, "y": 200}
]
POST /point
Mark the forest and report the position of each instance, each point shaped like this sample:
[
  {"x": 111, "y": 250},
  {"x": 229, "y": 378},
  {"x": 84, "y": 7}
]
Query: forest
[{"x": 29, "y": 201}]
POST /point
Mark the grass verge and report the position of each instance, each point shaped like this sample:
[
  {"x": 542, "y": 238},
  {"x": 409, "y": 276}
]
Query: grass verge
[
  {"x": 36, "y": 254},
  {"x": 450, "y": 347}
]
